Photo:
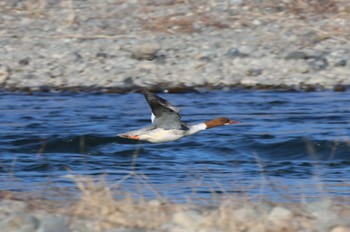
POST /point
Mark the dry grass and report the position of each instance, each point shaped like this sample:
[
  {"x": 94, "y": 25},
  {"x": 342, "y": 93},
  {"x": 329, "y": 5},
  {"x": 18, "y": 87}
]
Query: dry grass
[
  {"x": 98, "y": 204},
  {"x": 107, "y": 207}
]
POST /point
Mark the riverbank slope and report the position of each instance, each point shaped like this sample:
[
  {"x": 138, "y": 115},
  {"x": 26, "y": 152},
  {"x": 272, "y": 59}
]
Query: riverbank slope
[{"x": 118, "y": 46}]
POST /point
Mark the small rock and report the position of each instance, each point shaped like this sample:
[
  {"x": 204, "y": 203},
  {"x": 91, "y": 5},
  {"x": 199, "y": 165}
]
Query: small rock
[
  {"x": 187, "y": 219},
  {"x": 257, "y": 22},
  {"x": 198, "y": 27},
  {"x": 248, "y": 82},
  {"x": 128, "y": 82},
  {"x": 254, "y": 72},
  {"x": 301, "y": 67},
  {"x": 24, "y": 62},
  {"x": 146, "y": 51},
  {"x": 102, "y": 55},
  {"x": 340, "y": 229},
  {"x": 147, "y": 67},
  {"x": 161, "y": 59},
  {"x": 235, "y": 53},
  {"x": 340, "y": 63},
  {"x": 318, "y": 63},
  {"x": 280, "y": 214},
  {"x": 204, "y": 56},
  {"x": 57, "y": 71},
  {"x": 296, "y": 55},
  {"x": 29, "y": 76},
  {"x": 245, "y": 213},
  {"x": 154, "y": 203},
  {"x": 72, "y": 57},
  {"x": 247, "y": 50}
]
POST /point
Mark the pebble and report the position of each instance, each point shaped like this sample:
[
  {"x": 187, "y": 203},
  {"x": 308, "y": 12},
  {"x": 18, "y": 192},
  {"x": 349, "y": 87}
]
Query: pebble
[
  {"x": 145, "y": 51},
  {"x": 235, "y": 53},
  {"x": 254, "y": 72},
  {"x": 301, "y": 66},
  {"x": 24, "y": 61},
  {"x": 318, "y": 63},
  {"x": 246, "y": 50},
  {"x": 295, "y": 55},
  {"x": 279, "y": 214},
  {"x": 341, "y": 63},
  {"x": 187, "y": 219},
  {"x": 245, "y": 213}
]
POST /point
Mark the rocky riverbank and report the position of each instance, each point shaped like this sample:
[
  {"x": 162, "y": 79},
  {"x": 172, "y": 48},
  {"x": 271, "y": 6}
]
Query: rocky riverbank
[
  {"x": 97, "y": 211},
  {"x": 118, "y": 46}
]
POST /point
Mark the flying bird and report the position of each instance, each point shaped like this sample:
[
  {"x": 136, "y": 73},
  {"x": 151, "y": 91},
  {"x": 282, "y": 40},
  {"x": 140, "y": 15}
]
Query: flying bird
[{"x": 166, "y": 124}]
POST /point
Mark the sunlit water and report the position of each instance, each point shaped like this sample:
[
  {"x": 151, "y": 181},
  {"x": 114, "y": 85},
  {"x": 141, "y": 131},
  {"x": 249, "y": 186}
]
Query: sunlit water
[{"x": 290, "y": 146}]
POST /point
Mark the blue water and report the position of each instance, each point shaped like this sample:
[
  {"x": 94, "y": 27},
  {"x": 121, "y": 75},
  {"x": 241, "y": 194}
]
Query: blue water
[{"x": 290, "y": 146}]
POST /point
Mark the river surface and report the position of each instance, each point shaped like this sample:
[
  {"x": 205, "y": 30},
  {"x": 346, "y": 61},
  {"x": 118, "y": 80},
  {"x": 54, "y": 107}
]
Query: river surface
[{"x": 290, "y": 146}]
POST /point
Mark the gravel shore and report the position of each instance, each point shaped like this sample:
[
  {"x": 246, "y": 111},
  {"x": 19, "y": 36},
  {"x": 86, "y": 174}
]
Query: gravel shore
[
  {"x": 99, "y": 212},
  {"x": 118, "y": 46}
]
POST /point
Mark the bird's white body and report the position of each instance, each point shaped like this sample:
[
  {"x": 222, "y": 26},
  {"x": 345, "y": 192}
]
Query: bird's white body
[
  {"x": 160, "y": 135},
  {"x": 166, "y": 123}
]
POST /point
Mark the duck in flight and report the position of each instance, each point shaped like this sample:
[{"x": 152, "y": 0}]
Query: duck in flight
[{"x": 166, "y": 124}]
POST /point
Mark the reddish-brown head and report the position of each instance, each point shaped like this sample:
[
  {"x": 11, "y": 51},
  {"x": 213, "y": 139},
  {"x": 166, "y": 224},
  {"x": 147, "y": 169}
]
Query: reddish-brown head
[{"x": 219, "y": 122}]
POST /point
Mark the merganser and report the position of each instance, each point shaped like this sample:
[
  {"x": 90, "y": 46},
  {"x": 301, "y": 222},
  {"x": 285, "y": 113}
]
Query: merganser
[{"x": 166, "y": 124}]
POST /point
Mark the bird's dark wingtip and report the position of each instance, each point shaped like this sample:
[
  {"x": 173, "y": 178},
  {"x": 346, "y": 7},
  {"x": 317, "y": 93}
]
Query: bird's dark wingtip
[{"x": 148, "y": 95}]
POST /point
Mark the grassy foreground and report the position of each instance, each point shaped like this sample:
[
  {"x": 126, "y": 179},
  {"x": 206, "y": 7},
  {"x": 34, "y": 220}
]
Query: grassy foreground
[{"x": 102, "y": 208}]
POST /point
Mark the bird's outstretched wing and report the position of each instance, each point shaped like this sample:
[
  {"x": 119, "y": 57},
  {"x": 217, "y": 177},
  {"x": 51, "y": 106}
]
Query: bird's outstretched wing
[{"x": 166, "y": 116}]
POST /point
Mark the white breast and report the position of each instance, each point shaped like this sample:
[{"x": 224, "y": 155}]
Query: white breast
[{"x": 160, "y": 135}]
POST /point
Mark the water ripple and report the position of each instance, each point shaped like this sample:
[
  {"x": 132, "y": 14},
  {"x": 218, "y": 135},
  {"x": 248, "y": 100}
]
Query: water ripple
[{"x": 285, "y": 136}]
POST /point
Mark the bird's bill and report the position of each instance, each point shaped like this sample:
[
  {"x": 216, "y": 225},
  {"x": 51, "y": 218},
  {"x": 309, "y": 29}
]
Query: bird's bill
[{"x": 232, "y": 122}]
